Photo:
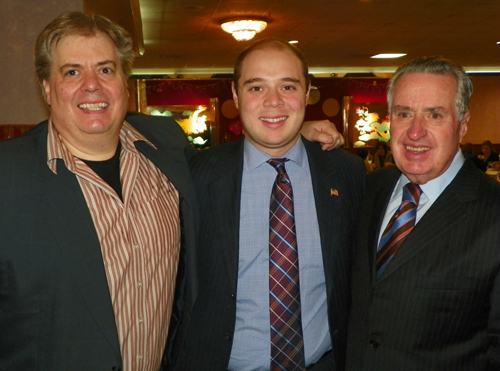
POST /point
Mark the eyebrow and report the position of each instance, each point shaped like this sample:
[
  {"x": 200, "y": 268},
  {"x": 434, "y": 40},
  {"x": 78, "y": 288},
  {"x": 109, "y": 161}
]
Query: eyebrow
[
  {"x": 429, "y": 109},
  {"x": 76, "y": 65},
  {"x": 260, "y": 79}
]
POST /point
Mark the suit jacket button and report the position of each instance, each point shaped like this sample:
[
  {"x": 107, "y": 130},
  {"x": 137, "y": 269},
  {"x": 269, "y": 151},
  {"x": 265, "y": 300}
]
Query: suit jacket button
[
  {"x": 373, "y": 343},
  {"x": 228, "y": 336},
  {"x": 114, "y": 368}
]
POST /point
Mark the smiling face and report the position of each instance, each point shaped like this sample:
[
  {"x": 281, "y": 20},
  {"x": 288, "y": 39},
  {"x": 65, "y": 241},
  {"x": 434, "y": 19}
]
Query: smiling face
[
  {"x": 87, "y": 92},
  {"x": 425, "y": 131},
  {"x": 271, "y": 96}
]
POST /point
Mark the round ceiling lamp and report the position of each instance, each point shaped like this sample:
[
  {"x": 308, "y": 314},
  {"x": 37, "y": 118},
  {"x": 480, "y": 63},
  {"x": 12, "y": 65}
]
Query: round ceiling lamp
[{"x": 244, "y": 29}]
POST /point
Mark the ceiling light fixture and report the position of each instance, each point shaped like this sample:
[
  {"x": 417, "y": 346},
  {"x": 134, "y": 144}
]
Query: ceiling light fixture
[
  {"x": 388, "y": 55},
  {"x": 243, "y": 30}
]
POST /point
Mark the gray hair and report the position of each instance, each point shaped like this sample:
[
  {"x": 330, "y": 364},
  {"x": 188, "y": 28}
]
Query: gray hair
[{"x": 437, "y": 66}]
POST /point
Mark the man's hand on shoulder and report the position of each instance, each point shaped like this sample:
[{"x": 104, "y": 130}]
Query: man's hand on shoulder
[{"x": 323, "y": 132}]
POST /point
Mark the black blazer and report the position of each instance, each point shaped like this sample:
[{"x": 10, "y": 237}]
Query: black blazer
[
  {"x": 437, "y": 305},
  {"x": 55, "y": 307},
  {"x": 217, "y": 175}
]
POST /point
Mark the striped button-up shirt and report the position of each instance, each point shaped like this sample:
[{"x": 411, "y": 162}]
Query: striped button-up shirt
[{"x": 140, "y": 242}]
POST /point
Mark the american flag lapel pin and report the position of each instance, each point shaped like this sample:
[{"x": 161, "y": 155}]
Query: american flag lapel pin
[{"x": 334, "y": 192}]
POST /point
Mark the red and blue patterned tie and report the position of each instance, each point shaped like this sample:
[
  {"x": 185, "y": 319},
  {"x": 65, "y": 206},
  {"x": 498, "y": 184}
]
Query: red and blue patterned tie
[
  {"x": 400, "y": 225},
  {"x": 287, "y": 343}
]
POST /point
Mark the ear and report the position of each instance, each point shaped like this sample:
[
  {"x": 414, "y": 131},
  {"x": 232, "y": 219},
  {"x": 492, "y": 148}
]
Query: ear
[
  {"x": 235, "y": 94},
  {"x": 46, "y": 88},
  {"x": 464, "y": 125},
  {"x": 308, "y": 92}
]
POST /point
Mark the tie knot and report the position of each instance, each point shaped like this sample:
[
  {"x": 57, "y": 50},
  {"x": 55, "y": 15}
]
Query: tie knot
[
  {"x": 412, "y": 193},
  {"x": 278, "y": 164}
]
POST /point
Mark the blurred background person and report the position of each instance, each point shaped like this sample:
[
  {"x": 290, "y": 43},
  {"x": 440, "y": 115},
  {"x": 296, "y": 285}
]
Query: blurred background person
[
  {"x": 488, "y": 156},
  {"x": 363, "y": 153},
  {"x": 383, "y": 156}
]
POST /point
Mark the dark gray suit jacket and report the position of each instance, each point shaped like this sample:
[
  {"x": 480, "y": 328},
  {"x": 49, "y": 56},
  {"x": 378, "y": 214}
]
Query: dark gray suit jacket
[
  {"x": 437, "y": 305},
  {"x": 55, "y": 307},
  {"x": 217, "y": 175}
]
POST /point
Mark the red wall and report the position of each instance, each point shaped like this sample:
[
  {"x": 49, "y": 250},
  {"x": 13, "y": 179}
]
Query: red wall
[{"x": 196, "y": 92}]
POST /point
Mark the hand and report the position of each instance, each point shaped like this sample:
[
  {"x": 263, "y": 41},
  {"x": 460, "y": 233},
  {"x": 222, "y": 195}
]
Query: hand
[{"x": 323, "y": 132}]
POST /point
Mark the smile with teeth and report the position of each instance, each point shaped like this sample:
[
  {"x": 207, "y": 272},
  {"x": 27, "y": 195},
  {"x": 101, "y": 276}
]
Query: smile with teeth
[
  {"x": 93, "y": 106},
  {"x": 417, "y": 149},
  {"x": 273, "y": 120}
]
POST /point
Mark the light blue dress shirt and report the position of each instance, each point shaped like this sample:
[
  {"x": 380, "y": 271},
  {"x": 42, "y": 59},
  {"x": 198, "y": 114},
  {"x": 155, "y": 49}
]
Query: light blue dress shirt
[
  {"x": 251, "y": 345},
  {"x": 430, "y": 191}
]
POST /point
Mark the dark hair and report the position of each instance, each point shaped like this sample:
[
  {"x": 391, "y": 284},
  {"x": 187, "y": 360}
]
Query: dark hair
[
  {"x": 382, "y": 145},
  {"x": 363, "y": 153},
  {"x": 487, "y": 143},
  {"x": 78, "y": 23},
  {"x": 273, "y": 43},
  {"x": 437, "y": 66}
]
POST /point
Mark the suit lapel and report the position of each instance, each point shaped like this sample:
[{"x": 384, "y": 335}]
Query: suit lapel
[
  {"x": 373, "y": 218},
  {"x": 325, "y": 181},
  {"x": 444, "y": 214},
  {"x": 65, "y": 208},
  {"x": 225, "y": 193}
]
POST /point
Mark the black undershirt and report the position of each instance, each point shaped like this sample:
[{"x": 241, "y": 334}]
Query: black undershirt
[{"x": 109, "y": 170}]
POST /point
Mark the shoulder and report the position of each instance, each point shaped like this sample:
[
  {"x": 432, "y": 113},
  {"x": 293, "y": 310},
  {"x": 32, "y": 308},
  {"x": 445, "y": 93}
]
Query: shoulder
[
  {"x": 222, "y": 161},
  {"x": 221, "y": 153},
  {"x": 339, "y": 154},
  {"x": 155, "y": 127},
  {"x": 27, "y": 145},
  {"x": 381, "y": 176},
  {"x": 337, "y": 160},
  {"x": 470, "y": 178},
  {"x": 162, "y": 132}
]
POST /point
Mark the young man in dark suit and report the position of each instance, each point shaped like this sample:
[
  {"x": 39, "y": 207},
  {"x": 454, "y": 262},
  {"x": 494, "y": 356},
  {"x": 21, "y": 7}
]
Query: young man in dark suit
[
  {"x": 426, "y": 291},
  {"x": 230, "y": 325}
]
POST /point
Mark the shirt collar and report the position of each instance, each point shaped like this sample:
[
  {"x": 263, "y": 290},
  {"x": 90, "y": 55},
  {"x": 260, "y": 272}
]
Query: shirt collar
[
  {"x": 254, "y": 157},
  {"x": 57, "y": 150},
  {"x": 433, "y": 188}
]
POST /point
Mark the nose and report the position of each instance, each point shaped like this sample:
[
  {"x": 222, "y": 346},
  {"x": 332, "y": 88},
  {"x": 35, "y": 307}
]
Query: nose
[
  {"x": 417, "y": 128},
  {"x": 273, "y": 99},
  {"x": 91, "y": 82}
]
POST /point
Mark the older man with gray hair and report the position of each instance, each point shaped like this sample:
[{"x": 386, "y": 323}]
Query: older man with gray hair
[{"x": 426, "y": 276}]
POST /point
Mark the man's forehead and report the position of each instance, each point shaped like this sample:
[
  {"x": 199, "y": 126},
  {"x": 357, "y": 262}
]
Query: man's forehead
[
  {"x": 425, "y": 80},
  {"x": 253, "y": 71},
  {"x": 71, "y": 39}
]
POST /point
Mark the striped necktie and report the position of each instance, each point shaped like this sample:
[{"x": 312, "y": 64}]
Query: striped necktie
[
  {"x": 400, "y": 225},
  {"x": 287, "y": 344}
]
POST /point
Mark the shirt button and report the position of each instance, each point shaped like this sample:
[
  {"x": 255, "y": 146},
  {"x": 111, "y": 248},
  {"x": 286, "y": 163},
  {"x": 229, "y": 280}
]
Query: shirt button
[
  {"x": 141, "y": 320},
  {"x": 140, "y": 357},
  {"x": 139, "y": 284},
  {"x": 136, "y": 247}
]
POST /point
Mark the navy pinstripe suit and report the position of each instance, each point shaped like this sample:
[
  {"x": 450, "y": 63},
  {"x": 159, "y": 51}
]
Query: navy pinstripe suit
[
  {"x": 217, "y": 175},
  {"x": 437, "y": 305}
]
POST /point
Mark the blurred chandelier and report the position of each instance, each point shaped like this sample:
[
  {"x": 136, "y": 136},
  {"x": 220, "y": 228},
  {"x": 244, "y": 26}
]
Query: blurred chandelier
[{"x": 243, "y": 30}]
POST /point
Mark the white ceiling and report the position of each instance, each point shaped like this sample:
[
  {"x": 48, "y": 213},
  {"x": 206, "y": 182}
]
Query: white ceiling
[{"x": 184, "y": 37}]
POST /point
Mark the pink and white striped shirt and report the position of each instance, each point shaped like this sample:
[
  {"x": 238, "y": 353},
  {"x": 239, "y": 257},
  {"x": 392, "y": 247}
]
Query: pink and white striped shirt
[{"x": 140, "y": 242}]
